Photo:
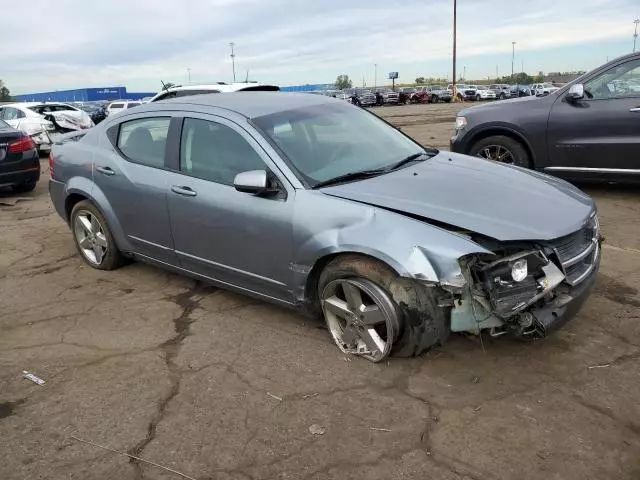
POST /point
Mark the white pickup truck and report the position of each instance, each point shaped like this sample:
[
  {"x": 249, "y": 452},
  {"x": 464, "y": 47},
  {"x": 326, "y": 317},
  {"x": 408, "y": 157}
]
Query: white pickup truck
[{"x": 542, "y": 89}]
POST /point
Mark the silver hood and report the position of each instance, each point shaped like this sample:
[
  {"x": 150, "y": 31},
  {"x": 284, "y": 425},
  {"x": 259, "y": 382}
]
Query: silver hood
[{"x": 492, "y": 199}]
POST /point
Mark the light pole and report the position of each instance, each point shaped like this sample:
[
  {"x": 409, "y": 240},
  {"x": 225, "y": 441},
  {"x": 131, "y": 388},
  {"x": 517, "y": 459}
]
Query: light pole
[
  {"x": 635, "y": 34},
  {"x": 455, "y": 20},
  {"x": 233, "y": 61},
  {"x": 513, "y": 56},
  {"x": 189, "y": 73},
  {"x": 464, "y": 75},
  {"x": 375, "y": 75}
]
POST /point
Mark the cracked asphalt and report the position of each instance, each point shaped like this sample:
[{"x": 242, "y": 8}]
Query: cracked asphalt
[{"x": 216, "y": 385}]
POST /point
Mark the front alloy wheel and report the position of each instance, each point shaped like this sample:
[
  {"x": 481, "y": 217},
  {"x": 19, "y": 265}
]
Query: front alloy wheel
[
  {"x": 497, "y": 153},
  {"x": 361, "y": 317},
  {"x": 503, "y": 149}
]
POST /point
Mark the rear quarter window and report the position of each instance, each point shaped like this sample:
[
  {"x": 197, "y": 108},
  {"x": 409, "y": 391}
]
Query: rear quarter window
[{"x": 144, "y": 140}]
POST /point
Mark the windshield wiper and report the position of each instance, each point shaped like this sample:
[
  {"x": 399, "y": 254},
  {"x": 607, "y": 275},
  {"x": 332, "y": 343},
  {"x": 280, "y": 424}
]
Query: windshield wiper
[
  {"x": 347, "y": 177},
  {"x": 409, "y": 159}
]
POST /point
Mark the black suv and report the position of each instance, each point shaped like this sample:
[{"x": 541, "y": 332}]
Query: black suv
[{"x": 589, "y": 129}]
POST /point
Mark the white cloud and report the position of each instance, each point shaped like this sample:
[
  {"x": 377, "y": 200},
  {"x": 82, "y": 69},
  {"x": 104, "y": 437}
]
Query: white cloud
[{"x": 138, "y": 42}]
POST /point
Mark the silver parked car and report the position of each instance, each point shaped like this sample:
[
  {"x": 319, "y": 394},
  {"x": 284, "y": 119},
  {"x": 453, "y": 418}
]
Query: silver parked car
[{"x": 313, "y": 203}]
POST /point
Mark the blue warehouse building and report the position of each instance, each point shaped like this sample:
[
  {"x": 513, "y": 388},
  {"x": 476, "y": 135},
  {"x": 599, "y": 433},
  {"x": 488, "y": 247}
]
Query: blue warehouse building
[
  {"x": 84, "y": 95},
  {"x": 319, "y": 87}
]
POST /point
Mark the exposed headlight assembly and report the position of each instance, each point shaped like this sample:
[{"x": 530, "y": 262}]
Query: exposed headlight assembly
[{"x": 515, "y": 281}]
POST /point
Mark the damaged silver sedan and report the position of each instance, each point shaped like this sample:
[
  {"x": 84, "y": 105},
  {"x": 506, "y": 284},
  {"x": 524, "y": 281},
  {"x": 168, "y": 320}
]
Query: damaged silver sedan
[{"x": 315, "y": 204}]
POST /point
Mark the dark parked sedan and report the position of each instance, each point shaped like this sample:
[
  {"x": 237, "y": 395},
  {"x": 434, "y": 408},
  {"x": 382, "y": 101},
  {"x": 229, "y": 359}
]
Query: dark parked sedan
[
  {"x": 589, "y": 129},
  {"x": 19, "y": 160},
  {"x": 313, "y": 203}
]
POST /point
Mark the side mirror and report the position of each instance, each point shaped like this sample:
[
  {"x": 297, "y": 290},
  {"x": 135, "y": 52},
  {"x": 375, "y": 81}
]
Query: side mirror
[
  {"x": 253, "y": 181},
  {"x": 575, "y": 93}
]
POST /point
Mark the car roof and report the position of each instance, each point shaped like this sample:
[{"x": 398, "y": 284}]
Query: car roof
[{"x": 248, "y": 104}]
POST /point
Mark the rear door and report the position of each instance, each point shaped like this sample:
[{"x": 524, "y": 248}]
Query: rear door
[
  {"x": 600, "y": 134},
  {"x": 130, "y": 172},
  {"x": 229, "y": 236}
]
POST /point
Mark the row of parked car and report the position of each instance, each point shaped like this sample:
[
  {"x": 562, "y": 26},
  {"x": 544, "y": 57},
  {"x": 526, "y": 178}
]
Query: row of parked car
[{"x": 369, "y": 97}]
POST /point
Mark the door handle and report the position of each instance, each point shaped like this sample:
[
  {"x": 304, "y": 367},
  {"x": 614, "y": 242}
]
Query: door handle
[
  {"x": 636, "y": 109},
  {"x": 182, "y": 190},
  {"x": 106, "y": 170}
]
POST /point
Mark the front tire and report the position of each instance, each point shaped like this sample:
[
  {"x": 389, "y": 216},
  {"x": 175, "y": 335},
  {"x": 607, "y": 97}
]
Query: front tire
[
  {"x": 501, "y": 149},
  {"x": 371, "y": 311},
  {"x": 93, "y": 237}
]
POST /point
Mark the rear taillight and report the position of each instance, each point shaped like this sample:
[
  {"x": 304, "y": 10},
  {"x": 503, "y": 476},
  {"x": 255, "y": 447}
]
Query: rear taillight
[
  {"x": 51, "y": 165},
  {"x": 23, "y": 145}
]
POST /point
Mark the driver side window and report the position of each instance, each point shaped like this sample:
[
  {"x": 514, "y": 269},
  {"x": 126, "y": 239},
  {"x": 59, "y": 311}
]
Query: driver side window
[
  {"x": 215, "y": 152},
  {"x": 622, "y": 81}
]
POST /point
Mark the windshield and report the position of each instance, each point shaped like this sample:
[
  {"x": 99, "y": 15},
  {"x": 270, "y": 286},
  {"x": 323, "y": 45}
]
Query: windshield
[{"x": 322, "y": 142}]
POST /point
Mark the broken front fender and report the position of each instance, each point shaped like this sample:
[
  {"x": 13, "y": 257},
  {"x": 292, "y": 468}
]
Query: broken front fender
[{"x": 414, "y": 249}]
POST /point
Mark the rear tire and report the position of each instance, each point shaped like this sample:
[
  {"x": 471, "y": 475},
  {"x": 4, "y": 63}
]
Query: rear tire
[
  {"x": 93, "y": 237},
  {"x": 494, "y": 148},
  {"x": 419, "y": 322}
]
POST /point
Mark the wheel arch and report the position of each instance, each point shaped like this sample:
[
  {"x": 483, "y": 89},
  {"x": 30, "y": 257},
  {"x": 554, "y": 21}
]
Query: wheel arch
[
  {"x": 504, "y": 131},
  {"x": 311, "y": 283},
  {"x": 77, "y": 192}
]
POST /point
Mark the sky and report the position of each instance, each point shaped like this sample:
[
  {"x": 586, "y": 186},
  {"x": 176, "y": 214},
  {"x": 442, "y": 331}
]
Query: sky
[{"x": 137, "y": 43}]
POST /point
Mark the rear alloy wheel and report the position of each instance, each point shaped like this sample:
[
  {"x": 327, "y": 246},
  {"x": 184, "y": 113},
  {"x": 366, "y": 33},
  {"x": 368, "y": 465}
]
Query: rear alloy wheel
[
  {"x": 361, "y": 317},
  {"x": 501, "y": 149},
  {"x": 93, "y": 237}
]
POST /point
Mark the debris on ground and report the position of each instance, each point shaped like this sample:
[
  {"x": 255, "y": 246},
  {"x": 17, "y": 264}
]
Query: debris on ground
[
  {"x": 10, "y": 202},
  {"x": 133, "y": 456},
  {"x": 605, "y": 365},
  {"x": 475, "y": 379},
  {"x": 33, "y": 378},
  {"x": 274, "y": 396},
  {"x": 310, "y": 395},
  {"x": 316, "y": 429},
  {"x": 376, "y": 429}
]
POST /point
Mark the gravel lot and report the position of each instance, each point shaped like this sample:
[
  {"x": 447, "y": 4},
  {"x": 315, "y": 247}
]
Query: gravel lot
[{"x": 220, "y": 386}]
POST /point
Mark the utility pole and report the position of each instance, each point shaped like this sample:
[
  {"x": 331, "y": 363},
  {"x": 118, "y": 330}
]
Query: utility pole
[
  {"x": 464, "y": 75},
  {"x": 513, "y": 56},
  {"x": 233, "y": 61},
  {"x": 635, "y": 34},
  {"x": 497, "y": 75},
  {"x": 455, "y": 20},
  {"x": 189, "y": 73},
  {"x": 375, "y": 75},
  {"x": 522, "y": 66}
]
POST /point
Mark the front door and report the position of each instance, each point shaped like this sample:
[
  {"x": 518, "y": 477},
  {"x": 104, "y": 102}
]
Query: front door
[
  {"x": 235, "y": 238},
  {"x": 601, "y": 133},
  {"x": 130, "y": 173}
]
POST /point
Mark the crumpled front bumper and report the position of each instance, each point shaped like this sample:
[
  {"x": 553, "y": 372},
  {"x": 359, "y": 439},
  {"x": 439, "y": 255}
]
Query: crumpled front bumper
[{"x": 566, "y": 304}]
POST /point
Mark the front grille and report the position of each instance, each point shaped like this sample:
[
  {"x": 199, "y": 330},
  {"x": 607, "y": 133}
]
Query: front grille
[{"x": 578, "y": 252}]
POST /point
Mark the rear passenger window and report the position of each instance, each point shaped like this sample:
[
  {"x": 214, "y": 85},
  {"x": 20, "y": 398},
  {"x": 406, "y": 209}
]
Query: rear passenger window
[
  {"x": 144, "y": 140},
  {"x": 116, "y": 105},
  {"x": 215, "y": 152}
]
